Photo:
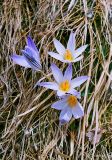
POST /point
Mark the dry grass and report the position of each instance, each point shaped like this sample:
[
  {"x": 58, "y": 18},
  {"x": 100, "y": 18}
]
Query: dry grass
[{"x": 29, "y": 128}]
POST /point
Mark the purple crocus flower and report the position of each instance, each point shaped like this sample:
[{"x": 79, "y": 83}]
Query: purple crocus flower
[
  {"x": 69, "y": 107},
  {"x": 69, "y": 54},
  {"x": 30, "y": 57},
  {"x": 64, "y": 83}
]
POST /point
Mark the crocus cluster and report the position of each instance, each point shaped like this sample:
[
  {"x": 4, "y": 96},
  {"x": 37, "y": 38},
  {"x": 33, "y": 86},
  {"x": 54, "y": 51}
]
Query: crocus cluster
[{"x": 64, "y": 84}]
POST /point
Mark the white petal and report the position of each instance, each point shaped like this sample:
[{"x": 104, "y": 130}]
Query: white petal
[
  {"x": 59, "y": 47},
  {"x": 68, "y": 72},
  {"x": 59, "y": 105},
  {"x": 20, "y": 60},
  {"x": 56, "y": 56},
  {"x": 65, "y": 115},
  {"x": 49, "y": 85},
  {"x": 78, "y": 111},
  {"x": 80, "y": 50},
  {"x": 71, "y": 42},
  {"x": 56, "y": 73},
  {"x": 76, "y": 82}
]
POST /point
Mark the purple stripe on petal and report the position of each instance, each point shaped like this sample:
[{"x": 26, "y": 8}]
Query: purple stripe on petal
[
  {"x": 76, "y": 82},
  {"x": 31, "y": 61},
  {"x": 56, "y": 73},
  {"x": 68, "y": 73},
  {"x": 59, "y": 47},
  {"x": 78, "y": 111},
  {"x": 49, "y": 85},
  {"x": 20, "y": 60},
  {"x": 71, "y": 42},
  {"x": 32, "y": 53}
]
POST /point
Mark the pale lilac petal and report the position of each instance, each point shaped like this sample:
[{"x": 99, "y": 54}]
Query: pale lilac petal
[
  {"x": 56, "y": 56},
  {"x": 78, "y": 111},
  {"x": 68, "y": 73},
  {"x": 49, "y": 85},
  {"x": 76, "y": 82},
  {"x": 80, "y": 50},
  {"x": 59, "y": 47},
  {"x": 77, "y": 59},
  {"x": 75, "y": 93},
  {"x": 60, "y": 93},
  {"x": 65, "y": 115},
  {"x": 59, "y": 105},
  {"x": 31, "y": 44},
  {"x": 32, "y": 53},
  {"x": 56, "y": 73},
  {"x": 20, "y": 60},
  {"x": 71, "y": 43}
]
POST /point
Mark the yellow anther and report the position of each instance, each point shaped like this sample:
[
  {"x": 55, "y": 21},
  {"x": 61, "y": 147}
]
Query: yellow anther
[
  {"x": 68, "y": 55},
  {"x": 72, "y": 101},
  {"x": 64, "y": 86}
]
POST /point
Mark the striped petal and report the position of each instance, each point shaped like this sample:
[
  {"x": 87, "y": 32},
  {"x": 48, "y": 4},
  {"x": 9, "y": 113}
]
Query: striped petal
[
  {"x": 76, "y": 82},
  {"x": 31, "y": 61},
  {"x": 59, "y": 47},
  {"x": 56, "y": 73},
  {"x": 20, "y": 60},
  {"x": 78, "y": 111}
]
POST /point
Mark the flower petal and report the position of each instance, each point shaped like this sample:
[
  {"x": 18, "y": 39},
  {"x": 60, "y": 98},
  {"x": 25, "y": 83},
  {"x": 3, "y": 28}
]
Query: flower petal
[
  {"x": 77, "y": 59},
  {"x": 32, "y": 53},
  {"x": 56, "y": 73},
  {"x": 59, "y": 105},
  {"x": 31, "y": 44},
  {"x": 71, "y": 42},
  {"x": 59, "y": 47},
  {"x": 31, "y": 61},
  {"x": 49, "y": 85},
  {"x": 78, "y": 111},
  {"x": 60, "y": 93},
  {"x": 56, "y": 56},
  {"x": 20, "y": 60},
  {"x": 68, "y": 73},
  {"x": 80, "y": 50},
  {"x": 76, "y": 82},
  {"x": 65, "y": 115},
  {"x": 75, "y": 93}
]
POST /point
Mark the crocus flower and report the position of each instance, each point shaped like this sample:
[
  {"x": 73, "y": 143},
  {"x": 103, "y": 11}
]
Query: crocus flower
[
  {"x": 30, "y": 57},
  {"x": 68, "y": 54},
  {"x": 69, "y": 107},
  {"x": 63, "y": 83}
]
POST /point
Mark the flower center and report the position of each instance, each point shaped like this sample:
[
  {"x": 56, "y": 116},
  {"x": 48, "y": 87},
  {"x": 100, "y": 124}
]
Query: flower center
[
  {"x": 68, "y": 55},
  {"x": 72, "y": 101},
  {"x": 64, "y": 86}
]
